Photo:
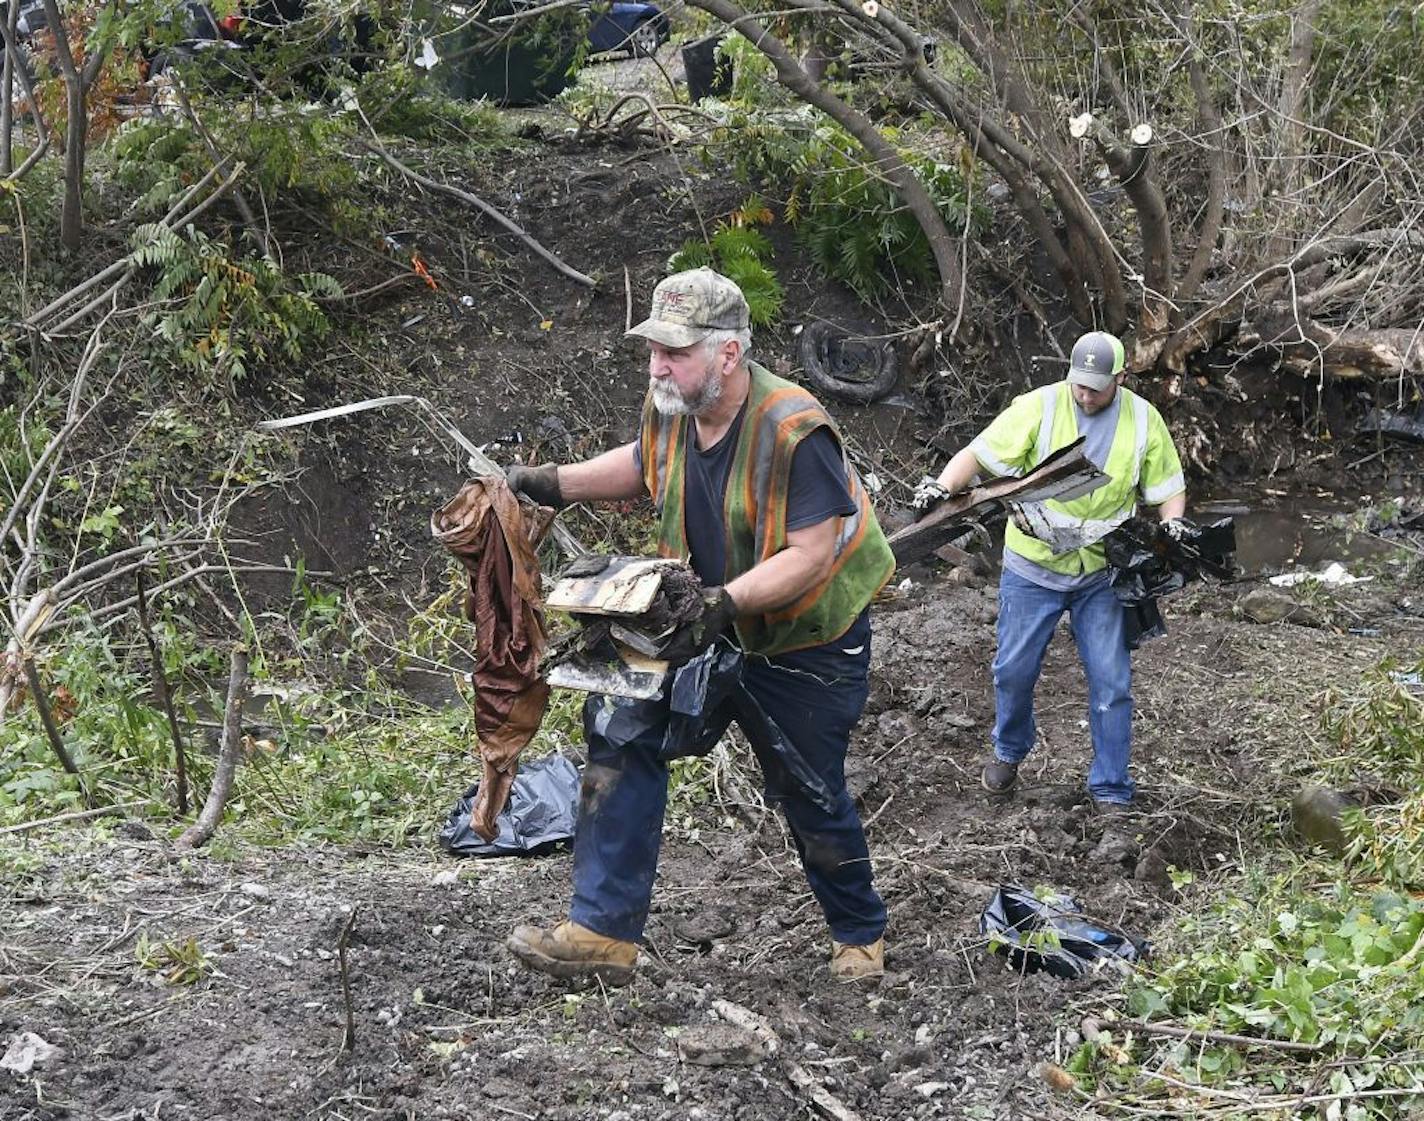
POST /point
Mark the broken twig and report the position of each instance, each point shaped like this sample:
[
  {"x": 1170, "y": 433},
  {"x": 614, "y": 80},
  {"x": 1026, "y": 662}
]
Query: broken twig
[
  {"x": 348, "y": 1035},
  {"x": 811, "y": 1087}
]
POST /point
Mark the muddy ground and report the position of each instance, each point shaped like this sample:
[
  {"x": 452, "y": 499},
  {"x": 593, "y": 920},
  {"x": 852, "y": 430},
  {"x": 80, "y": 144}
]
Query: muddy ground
[{"x": 447, "y": 1025}]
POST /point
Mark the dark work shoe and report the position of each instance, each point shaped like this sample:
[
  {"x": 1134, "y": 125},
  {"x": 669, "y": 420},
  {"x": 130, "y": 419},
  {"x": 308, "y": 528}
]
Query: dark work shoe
[
  {"x": 1111, "y": 809},
  {"x": 999, "y": 777}
]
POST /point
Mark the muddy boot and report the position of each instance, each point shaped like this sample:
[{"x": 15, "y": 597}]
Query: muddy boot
[
  {"x": 571, "y": 950},
  {"x": 858, "y": 963},
  {"x": 999, "y": 777}
]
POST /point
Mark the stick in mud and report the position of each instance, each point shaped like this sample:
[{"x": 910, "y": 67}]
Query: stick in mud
[
  {"x": 164, "y": 695},
  {"x": 201, "y": 831},
  {"x": 348, "y": 1034}
]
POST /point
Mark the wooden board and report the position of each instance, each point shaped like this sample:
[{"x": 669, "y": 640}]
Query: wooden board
[{"x": 627, "y": 587}]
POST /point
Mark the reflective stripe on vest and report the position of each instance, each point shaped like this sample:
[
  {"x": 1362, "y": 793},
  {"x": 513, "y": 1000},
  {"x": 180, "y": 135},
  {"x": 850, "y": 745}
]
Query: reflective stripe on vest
[{"x": 1093, "y": 529}]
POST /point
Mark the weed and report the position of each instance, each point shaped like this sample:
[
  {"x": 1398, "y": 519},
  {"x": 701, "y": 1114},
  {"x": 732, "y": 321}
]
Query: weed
[
  {"x": 178, "y": 963},
  {"x": 737, "y": 249}
]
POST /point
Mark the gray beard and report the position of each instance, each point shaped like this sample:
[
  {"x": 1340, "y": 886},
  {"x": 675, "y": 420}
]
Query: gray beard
[{"x": 670, "y": 402}]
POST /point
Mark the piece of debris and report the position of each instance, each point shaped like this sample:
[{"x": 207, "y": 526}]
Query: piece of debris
[
  {"x": 1316, "y": 814},
  {"x": 539, "y": 814},
  {"x": 447, "y": 878},
  {"x": 706, "y": 926},
  {"x": 720, "y": 1045},
  {"x": 1115, "y": 848},
  {"x": 1334, "y": 575},
  {"x": 1064, "y": 475},
  {"x": 255, "y": 891},
  {"x": 1050, "y": 933},
  {"x": 1057, "y": 1078},
  {"x": 27, "y": 1051},
  {"x": 1266, "y": 605}
]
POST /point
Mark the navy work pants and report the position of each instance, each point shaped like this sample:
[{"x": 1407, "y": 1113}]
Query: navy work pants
[{"x": 815, "y": 697}]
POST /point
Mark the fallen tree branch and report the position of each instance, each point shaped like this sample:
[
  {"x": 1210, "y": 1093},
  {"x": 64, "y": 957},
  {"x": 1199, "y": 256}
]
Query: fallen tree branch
[
  {"x": 377, "y": 148},
  {"x": 41, "y": 700},
  {"x": 75, "y": 815},
  {"x": 1174, "y": 1032},
  {"x": 201, "y": 831}
]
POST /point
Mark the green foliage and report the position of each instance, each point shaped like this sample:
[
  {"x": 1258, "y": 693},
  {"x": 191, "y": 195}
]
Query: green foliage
[
  {"x": 845, "y": 213},
  {"x": 1339, "y": 970},
  {"x": 228, "y": 313},
  {"x": 1379, "y": 730},
  {"x": 741, "y": 253},
  {"x": 176, "y": 962}
]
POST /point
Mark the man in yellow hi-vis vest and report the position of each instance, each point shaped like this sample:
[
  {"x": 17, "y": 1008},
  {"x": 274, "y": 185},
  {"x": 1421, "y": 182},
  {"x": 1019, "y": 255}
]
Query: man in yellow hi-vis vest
[{"x": 1066, "y": 570}]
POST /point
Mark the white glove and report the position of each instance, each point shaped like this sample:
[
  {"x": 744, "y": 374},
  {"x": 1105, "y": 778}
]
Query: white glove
[
  {"x": 1176, "y": 529},
  {"x": 928, "y": 493}
]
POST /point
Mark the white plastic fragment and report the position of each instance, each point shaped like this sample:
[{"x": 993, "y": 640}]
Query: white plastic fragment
[
  {"x": 1333, "y": 576},
  {"x": 27, "y": 1051}
]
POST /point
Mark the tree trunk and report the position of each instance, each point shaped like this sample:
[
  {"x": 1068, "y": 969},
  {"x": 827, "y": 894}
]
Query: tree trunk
[
  {"x": 1210, "y": 118},
  {"x": 7, "y": 92},
  {"x": 71, "y": 216},
  {"x": 943, "y": 244}
]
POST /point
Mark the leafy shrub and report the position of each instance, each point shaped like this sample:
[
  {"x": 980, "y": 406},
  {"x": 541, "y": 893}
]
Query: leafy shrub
[
  {"x": 228, "y": 312},
  {"x": 845, "y": 212},
  {"x": 742, "y": 253}
]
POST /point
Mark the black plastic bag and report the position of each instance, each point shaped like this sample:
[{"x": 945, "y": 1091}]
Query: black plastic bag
[
  {"x": 1147, "y": 563},
  {"x": 701, "y": 700},
  {"x": 540, "y": 814},
  {"x": 1050, "y": 934}
]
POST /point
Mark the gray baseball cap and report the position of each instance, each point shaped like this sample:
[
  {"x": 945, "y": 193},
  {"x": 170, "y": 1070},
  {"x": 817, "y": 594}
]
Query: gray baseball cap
[
  {"x": 1097, "y": 359},
  {"x": 689, "y": 306}
]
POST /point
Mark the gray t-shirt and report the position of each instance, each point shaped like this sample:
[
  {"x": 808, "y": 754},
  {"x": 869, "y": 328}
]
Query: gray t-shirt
[{"x": 1098, "y": 432}]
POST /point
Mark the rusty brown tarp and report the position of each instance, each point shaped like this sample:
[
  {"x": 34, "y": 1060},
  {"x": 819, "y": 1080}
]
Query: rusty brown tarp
[{"x": 486, "y": 529}]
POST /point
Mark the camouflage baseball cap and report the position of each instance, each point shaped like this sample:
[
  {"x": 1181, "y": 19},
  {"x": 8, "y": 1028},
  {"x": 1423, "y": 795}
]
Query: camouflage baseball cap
[
  {"x": 689, "y": 306},
  {"x": 1097, "y": 358}
]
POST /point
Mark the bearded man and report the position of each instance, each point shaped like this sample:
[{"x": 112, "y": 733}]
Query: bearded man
[{"x": 754, "y": 489}]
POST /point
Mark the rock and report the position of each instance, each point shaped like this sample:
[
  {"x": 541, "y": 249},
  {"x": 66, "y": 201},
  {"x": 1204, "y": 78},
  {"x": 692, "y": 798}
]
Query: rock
[
  {"x": 1316, "y": 813},
  {"x": 706, "y": 926},
  {"x": 930, "y": 1089},
  {"x": 716, "y": 1045},
  {"x": 447, "y": 878},
  {"x": 27, "y": 1051},
  {"x": 255, "y": 891},
  {"x": 1266, "y": 605},
  {"x": 1151, "y": 868},
  {"x": 959, "y": 720},
  {"x": 1115, "y": 848}
]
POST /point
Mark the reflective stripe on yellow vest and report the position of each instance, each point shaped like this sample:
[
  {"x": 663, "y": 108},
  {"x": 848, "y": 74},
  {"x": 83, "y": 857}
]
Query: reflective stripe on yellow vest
[{"x": 1102, "y": 509}]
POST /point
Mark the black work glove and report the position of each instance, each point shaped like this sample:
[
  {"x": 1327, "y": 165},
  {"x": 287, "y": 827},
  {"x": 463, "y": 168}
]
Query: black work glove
[
  {"x": 719, "y": 612},
  {"x": 538, "y": 484}
]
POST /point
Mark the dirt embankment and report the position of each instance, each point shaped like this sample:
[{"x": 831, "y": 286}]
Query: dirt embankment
[{"x": 448, "y": 1026}]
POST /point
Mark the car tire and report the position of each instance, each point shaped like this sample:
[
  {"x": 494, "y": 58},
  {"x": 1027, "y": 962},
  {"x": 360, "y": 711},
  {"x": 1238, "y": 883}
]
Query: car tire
[{"x": 644, "y": 40}]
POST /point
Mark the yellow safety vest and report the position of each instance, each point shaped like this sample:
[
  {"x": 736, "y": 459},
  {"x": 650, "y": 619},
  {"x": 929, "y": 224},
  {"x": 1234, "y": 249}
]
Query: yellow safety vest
[{"x": 1142, "y": 462}]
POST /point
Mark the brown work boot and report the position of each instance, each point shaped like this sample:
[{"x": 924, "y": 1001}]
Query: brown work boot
[
  {"x": 858, "y": 963},
  {"x": 571, "y": 950}
]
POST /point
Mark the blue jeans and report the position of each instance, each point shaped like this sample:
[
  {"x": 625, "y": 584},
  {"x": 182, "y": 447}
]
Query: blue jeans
[
  {"x": 816, "y": 697},
  {"x": 1028, "y": 615}
]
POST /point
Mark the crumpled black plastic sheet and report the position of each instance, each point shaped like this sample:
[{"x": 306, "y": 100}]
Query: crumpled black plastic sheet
[
  {"x": 703, "y": 698},
  {"x": 540, "y": 814},
  {"x": 1051, "y": 934},
  {"x": 1147, "y": 563}
]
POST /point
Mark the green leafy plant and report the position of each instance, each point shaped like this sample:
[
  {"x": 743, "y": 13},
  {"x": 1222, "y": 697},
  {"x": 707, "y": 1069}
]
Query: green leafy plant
[
  {"x": 220, "y": 314},
  {"x": 741, "y": 252},
  {"x": 178, "y": 963},
  {"x": 844, "y": 211}
]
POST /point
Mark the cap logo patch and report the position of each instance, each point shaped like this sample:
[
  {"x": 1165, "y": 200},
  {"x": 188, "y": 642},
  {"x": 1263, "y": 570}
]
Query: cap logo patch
[{"x": 1090, "y": 359}]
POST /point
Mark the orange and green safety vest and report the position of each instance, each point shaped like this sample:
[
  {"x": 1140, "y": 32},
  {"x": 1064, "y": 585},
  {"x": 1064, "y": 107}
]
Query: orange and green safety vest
[
  {"x": 778, "y": 416},
  {"x": 1142, "y": 463}
]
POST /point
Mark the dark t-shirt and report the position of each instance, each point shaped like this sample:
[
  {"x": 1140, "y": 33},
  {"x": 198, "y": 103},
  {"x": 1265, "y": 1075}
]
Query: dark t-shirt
[{"x": 817, "y": 490}]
